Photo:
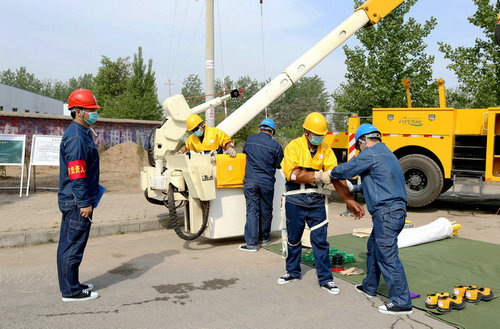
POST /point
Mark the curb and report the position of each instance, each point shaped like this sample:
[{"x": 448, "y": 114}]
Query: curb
[{"x": 35, "y": 237}]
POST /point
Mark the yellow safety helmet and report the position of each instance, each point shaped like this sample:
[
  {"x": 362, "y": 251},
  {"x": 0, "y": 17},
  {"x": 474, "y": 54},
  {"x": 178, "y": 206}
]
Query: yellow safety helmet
[
  {"x": 316, "y": 123},
  {"x": 193, "y": 120}
]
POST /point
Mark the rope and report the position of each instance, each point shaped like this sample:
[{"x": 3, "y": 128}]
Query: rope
[
  {"x": 220, "y": 92},
  {"x": 172, "y": 36},
  {"x": 222, "y": 60},
  {"x": 263, "y": 52},
  {"x": 192, "y": 39},
  {"x": 180, "y": 38}
]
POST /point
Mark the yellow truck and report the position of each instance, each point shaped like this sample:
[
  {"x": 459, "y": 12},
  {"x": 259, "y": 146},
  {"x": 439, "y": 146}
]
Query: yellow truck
[{"x": 438, "y": 148}]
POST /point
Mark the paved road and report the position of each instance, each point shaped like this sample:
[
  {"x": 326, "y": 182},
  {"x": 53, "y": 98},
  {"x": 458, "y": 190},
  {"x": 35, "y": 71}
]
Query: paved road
[{"x": 155, "y": 280}]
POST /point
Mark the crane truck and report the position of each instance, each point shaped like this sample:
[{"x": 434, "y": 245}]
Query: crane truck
[
  {"x": 208, "y": 187},
  {"x": 438, "y": 148}
]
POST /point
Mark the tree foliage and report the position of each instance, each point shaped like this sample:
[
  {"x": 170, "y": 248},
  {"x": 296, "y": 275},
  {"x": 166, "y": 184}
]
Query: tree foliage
[
  {"x": 60, "y": 90},
  {"x": 133, "y": 94},
  {"x": 477, "y": 67},
  {"x": 391, "y": 50},
  {"x": 288, "y": 111}
]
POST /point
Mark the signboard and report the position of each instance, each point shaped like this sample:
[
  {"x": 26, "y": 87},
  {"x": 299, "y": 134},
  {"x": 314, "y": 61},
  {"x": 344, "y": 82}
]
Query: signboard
[
  {"x": 44, "y": 152},
  {"x": 12, "y": 148}
]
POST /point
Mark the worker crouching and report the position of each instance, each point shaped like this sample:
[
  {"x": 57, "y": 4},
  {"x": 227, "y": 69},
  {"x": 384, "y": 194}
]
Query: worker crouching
[
  {"x": 306, "y": 163},
  {"x": 204, "y": 138}
]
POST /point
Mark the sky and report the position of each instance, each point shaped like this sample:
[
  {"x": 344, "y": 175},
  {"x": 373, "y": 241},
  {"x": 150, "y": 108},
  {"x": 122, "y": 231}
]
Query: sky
[{"x": 57, "y": 40}]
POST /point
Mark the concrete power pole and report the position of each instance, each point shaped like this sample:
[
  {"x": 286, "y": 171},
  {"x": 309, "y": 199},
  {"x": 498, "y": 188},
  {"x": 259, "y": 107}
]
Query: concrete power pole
[{"x": 209, "y": 79}]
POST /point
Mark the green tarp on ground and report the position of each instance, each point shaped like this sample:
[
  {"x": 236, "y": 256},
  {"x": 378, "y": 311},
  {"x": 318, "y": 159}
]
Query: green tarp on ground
[{"x": 437, "y": 267}]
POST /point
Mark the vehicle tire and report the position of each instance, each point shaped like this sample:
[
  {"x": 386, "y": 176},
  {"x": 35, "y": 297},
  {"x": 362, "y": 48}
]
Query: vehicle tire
[{"x": 423, "y": 177}]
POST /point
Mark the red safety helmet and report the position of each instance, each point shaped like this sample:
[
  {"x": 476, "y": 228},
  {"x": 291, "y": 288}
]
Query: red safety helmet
[{"x": 82, "y": 98}]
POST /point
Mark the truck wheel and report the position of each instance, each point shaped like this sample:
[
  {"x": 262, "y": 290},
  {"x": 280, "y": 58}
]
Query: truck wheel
[{"x": 423, "y": 177}]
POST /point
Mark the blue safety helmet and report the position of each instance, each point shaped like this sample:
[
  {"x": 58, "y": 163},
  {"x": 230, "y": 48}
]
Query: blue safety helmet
[
  {"x": 269, "y": 123},
  {"x": 366, "y": 129}
]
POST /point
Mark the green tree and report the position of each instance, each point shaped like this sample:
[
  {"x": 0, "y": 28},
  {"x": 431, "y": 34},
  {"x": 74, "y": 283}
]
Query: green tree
[
  {"x": 21, "y": 78},
  {"x": 192, "y": 87},
  {"x": 390, "y": 51},
  {"x": 139, "y": 100},
  {"x": 110, "y": 82},
  {"x": 477, "y": 67}
]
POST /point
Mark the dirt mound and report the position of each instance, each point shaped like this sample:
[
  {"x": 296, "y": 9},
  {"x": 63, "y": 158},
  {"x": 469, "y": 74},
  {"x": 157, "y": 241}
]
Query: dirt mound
[
  {"x": 121, "y": 165},
  {"x": 120, "y": 170}
]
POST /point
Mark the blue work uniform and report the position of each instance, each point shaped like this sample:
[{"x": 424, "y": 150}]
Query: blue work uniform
[
  {"x": 78, "y": 188},
  {"x": 307, "y": 207},
  {"x": 264, "y": 156},
  {"x": 383, "y": 185}
]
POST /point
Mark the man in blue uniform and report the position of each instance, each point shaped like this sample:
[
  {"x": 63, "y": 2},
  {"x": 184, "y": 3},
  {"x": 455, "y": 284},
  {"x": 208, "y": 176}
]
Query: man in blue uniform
[
  {"x": 78, "y": 193},
  {"x": 264, "y": 156},
  {"x": 383, "y": 185}
]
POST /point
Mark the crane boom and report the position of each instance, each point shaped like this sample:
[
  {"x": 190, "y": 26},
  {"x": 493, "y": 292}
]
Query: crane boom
[{"x": 369, "y": 13}]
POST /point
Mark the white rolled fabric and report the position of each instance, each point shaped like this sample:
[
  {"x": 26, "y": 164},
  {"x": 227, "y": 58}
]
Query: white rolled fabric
[{"x": 439, "y": 229}]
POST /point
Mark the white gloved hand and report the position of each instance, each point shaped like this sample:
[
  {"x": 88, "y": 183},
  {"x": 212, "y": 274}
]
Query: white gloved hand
[
  {"x": 231, "y": 152},
  {"x": 321, "y": 177},
  {"x": 350, "y": 186}
]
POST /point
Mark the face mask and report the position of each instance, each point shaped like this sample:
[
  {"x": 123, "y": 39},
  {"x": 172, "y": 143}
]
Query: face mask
[
  {"x": 198, "y": 132},
  {"x": 316, "y": 140},
  {"x": 497, "y": 33},
  {"x": 92, "y": 118}
]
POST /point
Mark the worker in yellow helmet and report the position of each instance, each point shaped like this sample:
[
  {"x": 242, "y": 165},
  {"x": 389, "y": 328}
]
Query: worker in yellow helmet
[
  {"x": 204, "y": 138},
  {"x": 306, "y": 163}
]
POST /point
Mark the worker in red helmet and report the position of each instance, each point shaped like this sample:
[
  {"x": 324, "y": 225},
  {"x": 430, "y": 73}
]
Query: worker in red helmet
[{"x": 78, "y": 194}]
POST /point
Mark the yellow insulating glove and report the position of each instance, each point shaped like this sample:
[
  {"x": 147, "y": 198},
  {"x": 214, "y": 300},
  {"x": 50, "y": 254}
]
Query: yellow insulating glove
[
  {"x": 231, "y": 152},
  {"x": 321, "y": 177}
]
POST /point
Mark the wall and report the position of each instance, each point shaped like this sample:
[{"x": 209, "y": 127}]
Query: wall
[
  {"x": 109, "y": 131},
  {"x": 27, "y": 101}
]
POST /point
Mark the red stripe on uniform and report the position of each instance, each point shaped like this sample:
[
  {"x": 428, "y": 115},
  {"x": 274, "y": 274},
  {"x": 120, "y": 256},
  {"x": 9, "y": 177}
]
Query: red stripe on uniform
[
  {"x": 77, "y": 169},
  {"x": 406, "y": 135}
]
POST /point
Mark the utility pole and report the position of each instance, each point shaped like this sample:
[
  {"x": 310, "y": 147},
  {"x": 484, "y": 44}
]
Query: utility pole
[
  {"x": 209, "y": 78},
  {"x": 169, "y": 84}
]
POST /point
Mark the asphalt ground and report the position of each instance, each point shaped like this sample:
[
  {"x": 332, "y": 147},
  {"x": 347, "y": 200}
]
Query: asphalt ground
[{"x": 151, "y": 278}]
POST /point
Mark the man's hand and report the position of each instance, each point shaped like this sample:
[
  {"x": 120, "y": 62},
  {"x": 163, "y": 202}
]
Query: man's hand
[
  {"x": 355, "y": 208},
  {"x": 321, "y": 177},
  {"x": 86, "y": 212},
  {"x": 178, "y": 152},
  {"x": 231, "y": 152}
]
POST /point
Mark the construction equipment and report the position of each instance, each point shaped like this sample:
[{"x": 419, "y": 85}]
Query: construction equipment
[
  {"x": 190, "y": 181},
  {"x": 438, "y": 148}
]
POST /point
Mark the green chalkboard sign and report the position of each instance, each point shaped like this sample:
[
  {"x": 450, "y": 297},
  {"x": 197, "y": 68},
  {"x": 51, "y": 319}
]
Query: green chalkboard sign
[{"x": 12, "y": 149}]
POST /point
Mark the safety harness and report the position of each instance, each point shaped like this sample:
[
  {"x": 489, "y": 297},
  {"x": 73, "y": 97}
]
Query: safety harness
[{"x": 301, "y": 190}]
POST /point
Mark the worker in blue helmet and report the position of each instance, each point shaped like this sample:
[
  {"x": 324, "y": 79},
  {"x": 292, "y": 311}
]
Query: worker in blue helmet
[
  {"x": 383, "y": 186},
  {"x": 264, "y": 156}
]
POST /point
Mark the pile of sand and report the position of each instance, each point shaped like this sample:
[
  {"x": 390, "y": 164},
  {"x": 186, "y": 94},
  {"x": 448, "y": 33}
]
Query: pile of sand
[{"x": 120, "y": 167}]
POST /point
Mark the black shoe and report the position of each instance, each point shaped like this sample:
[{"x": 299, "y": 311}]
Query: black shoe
[
  {"x": 286, "y": 279},
  {"x": 392, "y": 309},
  {"x": 84, "y": 295},
  {"x": 359, "y": 288},
  {"x": 331, "y": 288},
  {"x": 87, "y": 286},
  {"x": 244, "y": 247}
]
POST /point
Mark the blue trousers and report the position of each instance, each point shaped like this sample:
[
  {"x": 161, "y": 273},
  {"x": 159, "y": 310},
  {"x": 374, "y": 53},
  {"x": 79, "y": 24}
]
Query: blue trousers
[
  {"x": 383, "y": 256},
  {"x": 72, "y": 241},
  {"x": 259, "y": 200},
  {"x": 296, "y": 218}
]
